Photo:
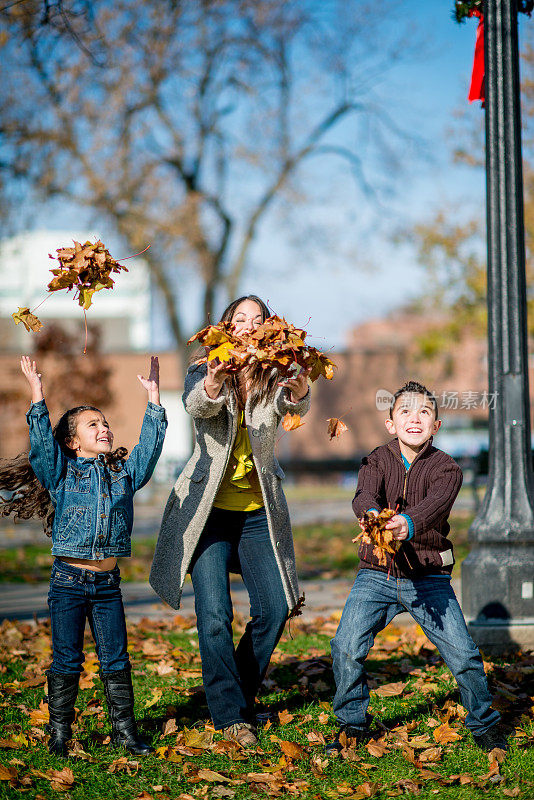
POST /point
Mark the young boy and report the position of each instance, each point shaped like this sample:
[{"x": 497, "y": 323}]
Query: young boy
[{"x": 421, "y": 483}]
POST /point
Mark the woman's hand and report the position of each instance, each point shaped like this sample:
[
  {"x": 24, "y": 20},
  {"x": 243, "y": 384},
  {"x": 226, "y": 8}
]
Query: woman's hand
[
  {"x": 151, "y": 384},
  {"x": 29, "y": 370},
  {"x": 217, "y": 375},
  {"x": 297, "y": 386}
]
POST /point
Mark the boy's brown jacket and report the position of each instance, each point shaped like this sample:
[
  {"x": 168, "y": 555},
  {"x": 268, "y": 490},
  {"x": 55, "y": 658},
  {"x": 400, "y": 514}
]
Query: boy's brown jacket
[{"x": 426, "y": 493}]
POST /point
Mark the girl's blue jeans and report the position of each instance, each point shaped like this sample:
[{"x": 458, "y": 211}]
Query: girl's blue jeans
[
  {"x": 373, "y": 602},
  {"x": 235, "y": 541},
  {"x": 76, "y": 595}
]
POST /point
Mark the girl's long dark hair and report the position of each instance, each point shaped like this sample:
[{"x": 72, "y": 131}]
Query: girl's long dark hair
[
  {"x": 29, "y": 499},
  {"x": 263, "y": 382}
]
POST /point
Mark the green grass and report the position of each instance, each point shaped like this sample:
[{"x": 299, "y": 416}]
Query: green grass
[
  {"x": 300, "y": 684},
  {"x": 322, "y": 550}
]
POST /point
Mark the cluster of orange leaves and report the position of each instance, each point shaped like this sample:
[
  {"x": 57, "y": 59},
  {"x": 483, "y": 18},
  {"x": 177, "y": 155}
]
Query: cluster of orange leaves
[
  {"x": 85, "y": 269},
  {"x": 374, "y": 532},
  {"x": 276, "y": 343}
]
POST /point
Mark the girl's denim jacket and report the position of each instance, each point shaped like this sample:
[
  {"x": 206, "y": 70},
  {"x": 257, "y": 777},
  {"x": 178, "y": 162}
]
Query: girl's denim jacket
[{"x": 93, "y": 505}]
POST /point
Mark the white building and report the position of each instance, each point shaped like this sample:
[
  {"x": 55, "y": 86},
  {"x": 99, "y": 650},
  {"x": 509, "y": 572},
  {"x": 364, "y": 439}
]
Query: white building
[{"x": 122, "y": 314}]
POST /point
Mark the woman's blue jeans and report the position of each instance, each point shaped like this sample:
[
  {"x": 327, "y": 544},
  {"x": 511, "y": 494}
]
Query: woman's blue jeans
[
  {"x": 235, "y": 541},
  {"x": 373, "y": 602},
  {"x": 76, "y": 595}
]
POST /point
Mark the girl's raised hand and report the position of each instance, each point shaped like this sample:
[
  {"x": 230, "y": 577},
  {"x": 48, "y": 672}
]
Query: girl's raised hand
[
  {"x": 151, "y": 384},
  {"x": 29, "y": 370}
]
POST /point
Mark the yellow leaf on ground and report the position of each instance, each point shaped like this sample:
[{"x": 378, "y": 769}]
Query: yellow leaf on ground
[
  {"x": 155, "y": 698},
  {"x": 199, "y": 739},
  {"x": 444, "y": 734}
]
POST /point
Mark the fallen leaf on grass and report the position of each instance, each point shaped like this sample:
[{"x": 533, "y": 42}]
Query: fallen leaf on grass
[
  {"x": 211, "y": 776},
  {"x": 76, "y": 751},
  {"x": 201, "y": 740},
  {"x": 376, "y": 749},
  {"x": 335, "y": 427},
  {"x": 408, "y": 786},
  {"x": 144, "y": 796},
  {"x": 498, "y": 754},
  {"x": 323, "y": 717},
  {"x": 291, "y": 750},
  {"x": 60, "y": 780},
  {"x": 511, "y": 792},
  {"x": 39, "y": 680},
  {"x": 430, "y": 755},
  {"x": 444, "y": 734},
  {"x": 7, "y": 773},
  {"x": 123, "y": 765},
  {"x": 39, "y": 716},
  {"x": 155, "y": 698},
  {"x": 291, "y": 422},
  {"x": 165, "y": 668},
  {"x": 264, "y": 777},
  {"x": 170, "y": 727},
  {"x": 365, "y": 790},
  {"x": 315, "y": 737},
  {"x": 15, "y": 742},
  {"x": 153, "y": 648},
  {"x": 390, "y": 689},
  {"x": 419, "y": 742},
  {"x": 169, "y": 754},
  {"x": 284, "y": 717}
]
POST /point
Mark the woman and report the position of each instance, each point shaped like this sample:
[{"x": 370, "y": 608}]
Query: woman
[{"x": 227, "y": 513}]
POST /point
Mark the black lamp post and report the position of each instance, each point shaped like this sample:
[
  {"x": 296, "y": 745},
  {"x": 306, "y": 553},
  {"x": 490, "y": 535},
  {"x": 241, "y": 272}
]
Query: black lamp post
[{"x": 498, "y": 575}]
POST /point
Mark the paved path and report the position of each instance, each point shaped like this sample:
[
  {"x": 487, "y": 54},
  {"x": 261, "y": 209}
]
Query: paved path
[{"x": 323, "y": 598}]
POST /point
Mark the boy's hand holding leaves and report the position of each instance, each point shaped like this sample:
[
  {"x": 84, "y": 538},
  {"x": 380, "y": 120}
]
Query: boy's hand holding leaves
[{"x": 375, "y": 532}]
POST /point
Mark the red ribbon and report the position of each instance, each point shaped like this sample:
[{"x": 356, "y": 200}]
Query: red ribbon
[{"x": 477, "y": 88}]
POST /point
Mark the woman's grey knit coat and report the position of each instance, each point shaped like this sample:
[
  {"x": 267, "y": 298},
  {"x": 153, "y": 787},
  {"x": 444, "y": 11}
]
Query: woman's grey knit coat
[{"x": 191, "y": 500}]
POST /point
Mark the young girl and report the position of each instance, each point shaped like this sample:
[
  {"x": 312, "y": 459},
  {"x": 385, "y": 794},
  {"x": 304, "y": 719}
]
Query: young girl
[
  {"x": 227, "y": 513},
  {"x": 91, "y": 489}
]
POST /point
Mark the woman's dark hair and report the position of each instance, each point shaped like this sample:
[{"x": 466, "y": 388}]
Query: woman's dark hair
[
  {"x": 28, "y": 497},
  {"x": 263, "y": 382}
]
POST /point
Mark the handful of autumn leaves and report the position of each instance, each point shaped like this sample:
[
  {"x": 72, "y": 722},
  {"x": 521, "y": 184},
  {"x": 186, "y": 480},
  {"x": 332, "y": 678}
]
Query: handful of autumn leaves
[
  {"x": 276, "y": 343},
  {"x": 374, "y": 532},
  {"x": 84, "y": 268}
]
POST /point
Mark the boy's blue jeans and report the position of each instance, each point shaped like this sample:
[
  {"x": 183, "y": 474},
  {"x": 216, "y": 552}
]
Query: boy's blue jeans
[
  {"x": 373, "y": 602},
  {"x": 236, "y": 541},
  {"x": 76, "y": 595}
]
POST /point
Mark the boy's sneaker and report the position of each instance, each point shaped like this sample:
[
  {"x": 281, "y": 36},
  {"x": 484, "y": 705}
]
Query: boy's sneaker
[
  {"x": 493, "y": 737},
  {"x": 346, "y": 737}
]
